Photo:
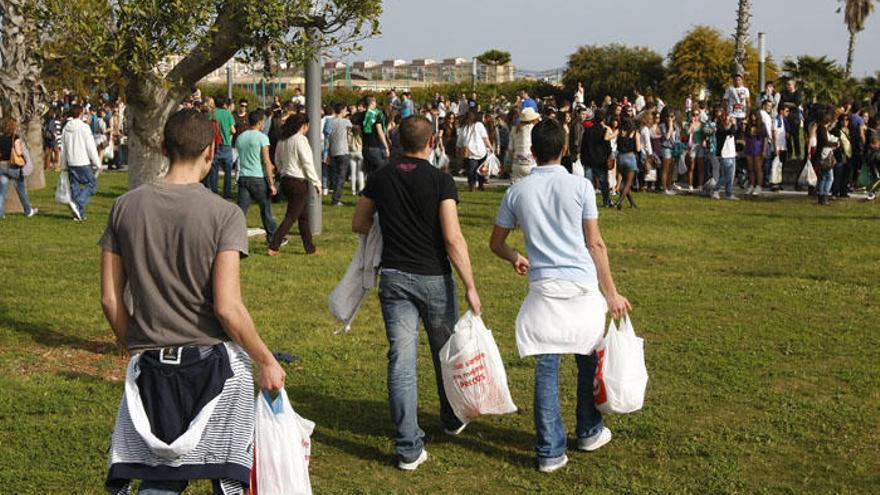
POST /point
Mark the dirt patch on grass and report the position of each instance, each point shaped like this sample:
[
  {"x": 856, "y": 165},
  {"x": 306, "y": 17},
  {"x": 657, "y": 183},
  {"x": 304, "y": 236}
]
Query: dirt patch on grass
[{"x": 93, "y": 361}]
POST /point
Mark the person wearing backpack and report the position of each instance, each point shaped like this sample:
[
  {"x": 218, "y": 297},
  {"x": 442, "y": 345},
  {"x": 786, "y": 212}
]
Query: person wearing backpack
[{"x": 564, "y": 311}]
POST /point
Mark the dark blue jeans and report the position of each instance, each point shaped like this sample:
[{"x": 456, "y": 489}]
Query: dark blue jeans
[
  {"x": 374, "y": 159},
  {"x": 340, "y": 172},
  {"x": 13, "y": 174},
  {"x": 406, "y": 299},
  {"x": 256, "y": 189},
  {"x": 83, "y": 185},
  {"x": 222, "y": 158},
  {"x": 600, "y": 173},
  {"x": 551, "y": 441},
  {"x": 473, "y": 171}
]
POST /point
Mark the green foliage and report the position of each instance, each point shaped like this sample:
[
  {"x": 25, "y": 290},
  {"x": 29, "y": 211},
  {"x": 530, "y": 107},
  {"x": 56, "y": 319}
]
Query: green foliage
[
  {"x": 820, "y": 78},
  {"x": 494, "y": 57},
  {"x": 215, "y": 90},
  {"x": 614, "y": 70}
]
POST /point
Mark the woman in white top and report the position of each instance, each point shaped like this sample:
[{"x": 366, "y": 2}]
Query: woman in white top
[
  {"x": 521, "y": 144},
  {"x": 473, "y": 140},
  {"x": 293, "y": 157}
]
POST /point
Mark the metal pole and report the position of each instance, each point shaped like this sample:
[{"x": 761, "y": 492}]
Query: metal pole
[
  {"x": 474, "y": 74},
  {"x": 762, "y": 60},
  {"x": 313, "y": 110},
  {"x": 229, "y": 80}
]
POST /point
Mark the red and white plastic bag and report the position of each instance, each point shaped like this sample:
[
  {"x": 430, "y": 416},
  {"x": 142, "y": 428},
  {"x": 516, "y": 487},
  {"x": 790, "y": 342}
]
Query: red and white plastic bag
[
  {"x": 621, "y": 376},
  {"x": 473, "y": 372},
  {"x": 281, "y": 448}
]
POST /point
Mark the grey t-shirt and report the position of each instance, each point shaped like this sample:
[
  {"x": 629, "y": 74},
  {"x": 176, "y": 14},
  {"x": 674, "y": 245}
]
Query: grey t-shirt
[
  {"x": 339, "y": 136},
  {"x": 168, "y": 237}
]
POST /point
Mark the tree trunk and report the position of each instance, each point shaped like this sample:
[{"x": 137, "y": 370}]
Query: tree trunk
[
  {"x": 850, "y": 53},
  {"x": 148, "y": 105},
  {"x": 743, "y": 18}
]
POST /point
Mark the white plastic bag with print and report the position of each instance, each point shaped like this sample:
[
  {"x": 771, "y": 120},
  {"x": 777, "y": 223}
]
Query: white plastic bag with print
[
  {"x": 808, "y": 176},
  {"x": 62, "y": 190},
  {"x": 281, "y": 448},
  {"x": 621, "y": 376},
  {"x": 776, "y": 171},
  {"x": 473, "y": 372}
]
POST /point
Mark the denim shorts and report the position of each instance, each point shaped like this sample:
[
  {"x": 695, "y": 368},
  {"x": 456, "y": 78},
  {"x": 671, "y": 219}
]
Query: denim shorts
[
  {"x": 666, "y": 153},
  {"x": 626, "y": 162}
]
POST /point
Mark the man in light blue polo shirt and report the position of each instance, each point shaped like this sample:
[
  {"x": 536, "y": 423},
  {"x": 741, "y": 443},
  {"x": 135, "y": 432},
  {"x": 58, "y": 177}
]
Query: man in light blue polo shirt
[
  {"x": 564, "y": 311},
  {"x": 256, "y": 181}
]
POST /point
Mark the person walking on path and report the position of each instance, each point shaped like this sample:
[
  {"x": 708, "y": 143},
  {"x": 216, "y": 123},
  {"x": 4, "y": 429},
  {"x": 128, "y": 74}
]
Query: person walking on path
[
  {"x": 595, "y": 152},
  {"x": 293, "y": 155},
  {"x": 256, "y": 179},
  {"x": 564, "y": 311},
  {"x": 191, "y": 338},
  {"x": 79, "y": 157},
  {"x": 377, "y": 150},
  {"x": 339, "y": 151},
  {"x": 12, "y": 163},
  {"x": 418, "y": 214}
]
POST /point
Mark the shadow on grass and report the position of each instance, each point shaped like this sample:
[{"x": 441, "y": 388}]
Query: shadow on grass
[
  {"x": 43, "y": 334},
  {"x": 340, "y": 417}
]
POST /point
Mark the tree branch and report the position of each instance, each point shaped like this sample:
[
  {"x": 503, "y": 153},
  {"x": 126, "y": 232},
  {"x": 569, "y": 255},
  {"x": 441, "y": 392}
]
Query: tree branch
[{"x": 223, "y": 41}]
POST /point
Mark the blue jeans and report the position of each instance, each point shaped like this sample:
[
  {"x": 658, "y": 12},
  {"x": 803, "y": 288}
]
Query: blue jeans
[
  {"x": 374, "y": 159},
  {"x": 340, "y": 173},
  {"x": 600, "y": 173},
  {"x": 473, "y": 170},
  {"x": 768, "y": 166},
  {"x": 407, "y": 298},
  {"x": 551, "y": 441},
  {"x": 83, "y": 186},
  {"x": 222, "y": 158},
  {"x": 726, "y": 169},
  {"x": 14, "y": 175},
  {"x": 257, "y": 189},
  {"x": 840, "y": 185},
  {"x": 825, "y": 180}
]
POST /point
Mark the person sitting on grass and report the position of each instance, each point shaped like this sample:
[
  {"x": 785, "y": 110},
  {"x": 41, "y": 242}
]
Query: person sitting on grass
[
  {"x": 564, "y": 312},
  {"x": 177, "y": 247}
]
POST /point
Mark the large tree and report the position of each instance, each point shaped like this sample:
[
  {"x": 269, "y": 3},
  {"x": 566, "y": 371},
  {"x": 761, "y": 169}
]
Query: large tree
[
  {"x": 614, "y": 70},
  {"x": 741, "y": 37},
  {"x": 855, "y": 13},
  {"x": 136, "y": 36},
  {"x": 820, "y": 78}
]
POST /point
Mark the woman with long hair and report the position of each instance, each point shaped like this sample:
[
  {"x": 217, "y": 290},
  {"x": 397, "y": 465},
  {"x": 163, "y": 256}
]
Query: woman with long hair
[
  {"x": 449, "y": 137},
  {"x": 473, "y": 140},
  {"x": 521, "y": 144},
  {"x": 656, "y": 148},
  {"x": 628, "y": 146},
  {"x": 696, "y": 148},
  {"x": 293, "y": 157},
  {"x": 725, "y": 137},
  {"x": 645, "y": 156},
  {"x": 843, "y": 153},
  {"x": 12, "y": 163},
  {"x": 670, "y": 136},
  {"x": 756, "y": 149}
]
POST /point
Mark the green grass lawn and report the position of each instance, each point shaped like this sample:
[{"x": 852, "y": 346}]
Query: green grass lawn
[{"x": 760, "y": 320}]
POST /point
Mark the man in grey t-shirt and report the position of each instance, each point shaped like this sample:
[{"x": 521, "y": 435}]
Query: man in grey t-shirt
[
  {"x": 339, "y": 153},
  {"x": 178, "y": 247}
]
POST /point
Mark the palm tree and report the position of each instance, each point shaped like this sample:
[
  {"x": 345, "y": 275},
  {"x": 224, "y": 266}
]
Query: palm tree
[
  {"x": 855, "y": 12},
  {"x": 743, "y": 18},
  {"x": 820, "y": 77}
]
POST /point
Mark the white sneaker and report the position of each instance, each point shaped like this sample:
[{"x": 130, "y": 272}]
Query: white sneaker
[
  {"x": 690, "y": 188},
  {"x": 676, "y": 187},
  {"x": 733, "y": 198},
  {"x": 595, "y": 442},
  {"x": 73, "y": 208},
  {"x": 715, "y": 195},
  {"x": 669, "y": 192},
  {"x": 757, "y": 191},
  {"x": 412, "y": 466},
  {"x": 33, "y": 212},
  {"x": 549, "y": 468},
  {"x": 750, "y": 190},
  {"x": 456, "y": 431}
]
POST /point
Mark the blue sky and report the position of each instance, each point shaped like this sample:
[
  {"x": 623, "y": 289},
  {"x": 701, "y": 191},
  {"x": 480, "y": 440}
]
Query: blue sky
[{"x": 541, "y": 34}]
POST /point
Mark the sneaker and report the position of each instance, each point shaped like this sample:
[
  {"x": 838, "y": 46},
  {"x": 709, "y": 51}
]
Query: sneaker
[
  {"x": 595, "y": 442},
  {"x": 757, "y": 191},
  {"x": 284, "y": 241},
  {"x": 553, "y": 466},
  {"x": 338, "y": 203},
  {"x": 33, "y": 212},
  {"x": 690, "y": 188},
  {"x": 669, "y": 192},
  {"x": 75, "y": 210},
  {"x": 456, "y": 431},
  {"x": 870, "y": 197},
  {"x": 412, "y": 466},
  {"x": 733, "y": 198},
  {"x": 676, "y": 187},
  {"x": 750, "y": 190},
  {"x": 715, "y": 195}
]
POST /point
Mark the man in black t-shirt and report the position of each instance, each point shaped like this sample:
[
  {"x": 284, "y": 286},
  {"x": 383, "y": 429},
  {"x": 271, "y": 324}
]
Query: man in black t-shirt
[
  {"x": 792, "y": 97},
  {"x": 418, "y": 212}
]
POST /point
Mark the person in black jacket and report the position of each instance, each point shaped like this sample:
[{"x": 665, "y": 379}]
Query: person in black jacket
[{"x": 595, "y": 152}]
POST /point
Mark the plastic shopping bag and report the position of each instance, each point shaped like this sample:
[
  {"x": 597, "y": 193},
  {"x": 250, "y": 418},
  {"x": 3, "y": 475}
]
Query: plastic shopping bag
[
  {"x": 473, "y": 372},
  {"x": 281, "y": 448},
  {"x": 682, "y": 165},
  {"x": 776, "y": 171},
  {"x": 808, "y": 176},
  {"x": 621, "y": 376},
  {"x": 577, "y": 169},
  {"x": 493, "y": 165},
  {"x": 62, "y": 190}
]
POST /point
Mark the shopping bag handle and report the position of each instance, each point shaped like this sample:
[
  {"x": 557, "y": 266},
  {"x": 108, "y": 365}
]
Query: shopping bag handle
[{"x": 276, "y": 405}]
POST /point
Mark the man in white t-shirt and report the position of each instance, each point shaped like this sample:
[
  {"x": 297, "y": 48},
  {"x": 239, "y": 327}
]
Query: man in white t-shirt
[
  {"x": 564, "y": 311},
  {"x": 298, "y": 98},
  {"x": 474, "y": 138},
  {"x": 738, "y": 99}
]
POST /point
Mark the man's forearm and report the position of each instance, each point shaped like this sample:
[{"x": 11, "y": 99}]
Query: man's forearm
[
  {"x": 118, "y": 318},
  {"x": 240, "y": 327},
  {"x": 461, "y": 260},
  {"x": 599, "y": 254}
]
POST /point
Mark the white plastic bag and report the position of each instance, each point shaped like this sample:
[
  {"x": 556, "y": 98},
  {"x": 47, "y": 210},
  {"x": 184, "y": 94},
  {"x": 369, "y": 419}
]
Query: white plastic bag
[
  {"x": 776, "y": 171},
  {"x": 682, "y": 165},
  {"x": 493, "y": 164},
  {"x": 62, "y": 190},
  {"x": 473, "y": 372},
  {"x": 621, "y": 376},
  {"x": 808, "y": 176},
  {"x": 281, "y": 448},
  {"x": 577, "y": 169}
]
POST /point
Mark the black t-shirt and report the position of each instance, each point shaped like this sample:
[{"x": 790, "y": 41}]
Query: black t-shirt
[
  {"x": 595, "y": 150},
  {"x": 407, "y": 195}
]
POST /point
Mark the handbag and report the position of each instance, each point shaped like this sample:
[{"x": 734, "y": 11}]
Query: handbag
[{"x": 16, "y": 159}]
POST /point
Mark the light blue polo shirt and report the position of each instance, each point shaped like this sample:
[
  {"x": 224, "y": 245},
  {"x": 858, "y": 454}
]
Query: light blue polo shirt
[{"x": 550, "y": 206}]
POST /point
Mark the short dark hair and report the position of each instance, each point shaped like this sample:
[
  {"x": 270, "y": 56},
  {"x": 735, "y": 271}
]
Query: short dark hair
[
  {"x": 548, "y": 140},
  {"x": 338, "y": 108},
  {"x": 255, "y": 116},
  {"x": 187, "y": 134},
  {"x": 76, "y": 111},
  {"x": 293, "y": 124},
  {"x": 243, "y": 100},
  {"x": 415, "y": 133}
]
